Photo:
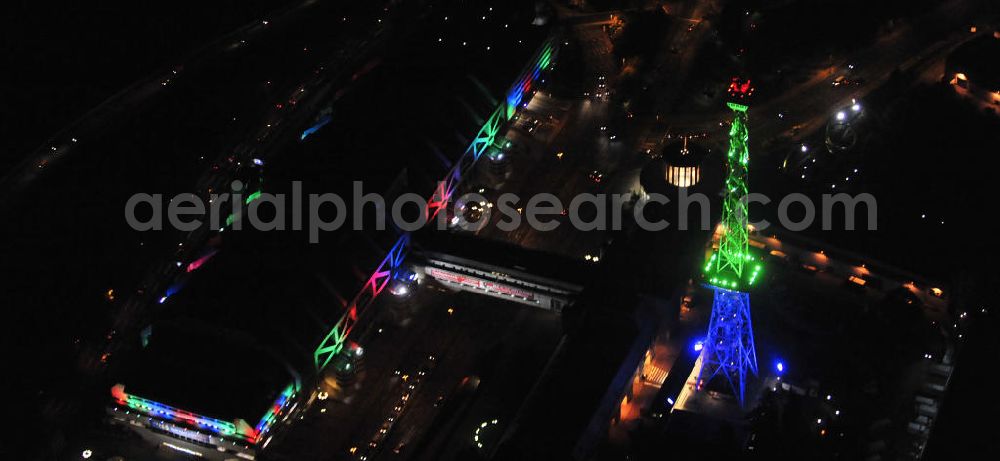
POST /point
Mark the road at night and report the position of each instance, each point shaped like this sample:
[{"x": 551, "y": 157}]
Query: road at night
[{"x": 499, "y": 345}]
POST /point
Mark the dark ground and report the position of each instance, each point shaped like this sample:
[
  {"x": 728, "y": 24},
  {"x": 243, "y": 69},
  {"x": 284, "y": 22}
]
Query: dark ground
[{"x": 62, "y": 58}]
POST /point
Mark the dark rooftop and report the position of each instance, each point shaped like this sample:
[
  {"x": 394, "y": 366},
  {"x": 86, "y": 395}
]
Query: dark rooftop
[
  {"x": 978, "y": 60},
  {"x": 241, "y": 329},
  {"x": 192, "y": 365}
]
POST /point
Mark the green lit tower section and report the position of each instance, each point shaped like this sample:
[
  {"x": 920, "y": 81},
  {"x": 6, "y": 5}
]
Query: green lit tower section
[
  {"x": 731, "y": 266},
  {"x": 728, "y": 350}
]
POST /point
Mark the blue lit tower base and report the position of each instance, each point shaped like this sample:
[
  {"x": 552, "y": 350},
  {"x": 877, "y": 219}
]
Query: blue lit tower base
[{"x": 729, "y": 349}]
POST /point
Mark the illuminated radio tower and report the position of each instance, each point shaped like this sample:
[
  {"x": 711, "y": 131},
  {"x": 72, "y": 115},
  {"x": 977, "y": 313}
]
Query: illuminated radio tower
[{"x": 729, "y": 348}]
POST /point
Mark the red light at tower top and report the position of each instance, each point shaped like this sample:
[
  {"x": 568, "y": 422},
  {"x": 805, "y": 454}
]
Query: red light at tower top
[{"x": 740, "y": 90}]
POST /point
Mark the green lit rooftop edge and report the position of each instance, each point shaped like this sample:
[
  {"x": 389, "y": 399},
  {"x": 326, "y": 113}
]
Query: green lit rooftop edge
[
  {"x": 728, "y": 279},
  {"x": 737, "y": 107}
]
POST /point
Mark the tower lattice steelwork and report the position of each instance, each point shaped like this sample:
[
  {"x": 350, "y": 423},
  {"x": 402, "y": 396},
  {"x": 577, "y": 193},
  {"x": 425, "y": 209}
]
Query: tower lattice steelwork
[{"x": 729, "y": 347}]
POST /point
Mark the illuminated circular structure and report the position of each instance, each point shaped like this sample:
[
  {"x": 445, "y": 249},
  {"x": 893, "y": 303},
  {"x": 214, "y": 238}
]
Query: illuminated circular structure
[
  {"x": 482, "y": 431},
  {"x": 683, "y": 163}
]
